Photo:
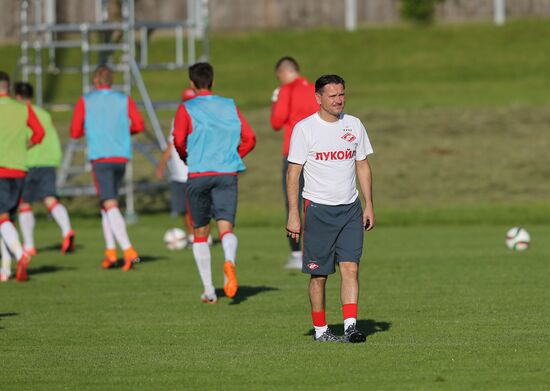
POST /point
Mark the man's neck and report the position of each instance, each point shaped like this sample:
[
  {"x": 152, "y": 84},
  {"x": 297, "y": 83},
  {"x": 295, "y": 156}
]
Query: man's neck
[{"x": 326, "y": 116}]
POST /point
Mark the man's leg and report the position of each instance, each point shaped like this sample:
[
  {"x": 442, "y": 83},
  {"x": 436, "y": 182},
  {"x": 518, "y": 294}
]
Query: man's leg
[
  {"x": 111, "y": 256},
  {"x": 230, "y": 244},
  {"x": 5, "y": 269},
  {"x": 201, "y": 253},
  {"x": 349, "y": 292},
  {"x": 27, "y": 222},
  {"x": 224, "y": 204},
  {"x": 118, "y": 228},
  {"x": 61, "y": 217},
  {"x": 317, "y": 299}
]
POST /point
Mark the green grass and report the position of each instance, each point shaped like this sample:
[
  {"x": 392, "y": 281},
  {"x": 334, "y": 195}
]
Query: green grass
[{"x": 446, "y": 307}]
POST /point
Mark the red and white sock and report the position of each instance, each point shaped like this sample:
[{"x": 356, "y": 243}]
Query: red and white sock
[
  {"x": 229, "y": 244},
  {"x": 11, "y": 238},
  {"x": 107, "y": 233},
  {"x": 118, "y": 227},
  {"x": 350, "y": 314},
  {"x": 319, "y": 322},
  {"x": 201, "y": 253},
  {"x": 61, "y": 217},
  {"x": 26, "y": 223}
]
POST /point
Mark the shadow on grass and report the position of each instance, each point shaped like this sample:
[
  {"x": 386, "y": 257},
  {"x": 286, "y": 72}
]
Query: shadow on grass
[
  {"x": 245, "y": 292},
  {"x": 367, "y": 326},
  {"x": 48, "y": 269},
  {"x": 6, "y": 315},
  {"x": 57, "y": 247}
]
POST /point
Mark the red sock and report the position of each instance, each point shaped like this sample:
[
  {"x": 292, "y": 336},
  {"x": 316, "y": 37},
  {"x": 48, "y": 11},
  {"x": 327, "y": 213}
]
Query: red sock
[
  {"x": 319, "y": 318},
  {"x": 349, "y": 311}
]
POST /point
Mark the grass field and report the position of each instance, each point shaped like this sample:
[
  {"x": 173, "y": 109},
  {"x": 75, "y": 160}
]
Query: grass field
[
  {"x": 458, "y": 116},
  {"x": 445, "y": 307}
]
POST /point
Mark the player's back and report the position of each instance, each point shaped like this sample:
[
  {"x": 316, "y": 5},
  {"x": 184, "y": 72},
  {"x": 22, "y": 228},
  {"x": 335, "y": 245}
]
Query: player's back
[
  {"x": 215, "y": 137},
  {"x": 303, "y": 102},
  {"x": 48, "y": 152},
  {"x": 13, "y": 133}
]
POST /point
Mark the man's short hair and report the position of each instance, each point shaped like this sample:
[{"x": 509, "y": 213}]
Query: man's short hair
[
  {"x": 328, "y": 79},
  {"x": 4, "y": 81},
  {"x": 23, "y": 89},
  {"x": 103, "y": 75},
  {"x": 288, "y": 61},
  {"x": 202, "y": 75}
]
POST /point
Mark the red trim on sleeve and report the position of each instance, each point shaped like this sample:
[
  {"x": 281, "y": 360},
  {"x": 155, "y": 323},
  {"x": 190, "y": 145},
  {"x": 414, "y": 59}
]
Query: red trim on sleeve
[
  {"x": 12, "y": 173},
  {"x": 77, "y": 122},
  {"x": 35, "y": 125},
  {"x": 137, "y": 125},
  {"x": 183, "y": 126},
  {"x": 248, "y": 138}
]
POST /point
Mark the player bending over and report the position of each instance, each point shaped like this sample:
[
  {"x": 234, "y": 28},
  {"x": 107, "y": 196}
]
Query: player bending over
[
  {"x": 15, "y": 119},
  {"x": 212, "y": 136},
  {"x": 39, "y": 185},
  {"x": 107, "y": 119},
  {"x": 332, "y": 148}
]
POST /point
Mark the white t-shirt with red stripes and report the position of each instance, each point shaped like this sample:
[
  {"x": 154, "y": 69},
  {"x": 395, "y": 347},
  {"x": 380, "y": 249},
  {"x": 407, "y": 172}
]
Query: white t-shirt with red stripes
[{"x": 328, "y": 151}]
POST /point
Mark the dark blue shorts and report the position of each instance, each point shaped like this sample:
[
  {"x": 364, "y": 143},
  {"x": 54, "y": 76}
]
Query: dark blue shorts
[
  {"x": 331, "y": 234},
  {"x": 107, "y": 178},
  {"x": 39, "y": 184},
  {"x": 212, "y": 196},
  {"x": 178, "y": 197},
  {"x": 10, "y": 193}
]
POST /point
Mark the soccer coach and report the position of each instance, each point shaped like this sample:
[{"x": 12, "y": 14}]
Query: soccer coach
[{"x": 332, "y": 148}]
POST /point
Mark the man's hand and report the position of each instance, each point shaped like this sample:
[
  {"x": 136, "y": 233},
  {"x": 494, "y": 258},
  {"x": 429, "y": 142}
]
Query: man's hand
[
  {"x": 368, "y": 217},
  {"x": 275, "y": 95},
  {"x": 293, "y": 227},
  {"x": 159, "y": 172}
]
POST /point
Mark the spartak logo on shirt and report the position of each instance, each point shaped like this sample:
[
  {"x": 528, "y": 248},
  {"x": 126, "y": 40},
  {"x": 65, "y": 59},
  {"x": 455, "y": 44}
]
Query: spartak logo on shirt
[{"x": 349, "y": 137}]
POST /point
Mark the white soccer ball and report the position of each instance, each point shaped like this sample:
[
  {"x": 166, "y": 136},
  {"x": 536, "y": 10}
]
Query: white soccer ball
[
  {"x": 518, "y": 239},
  {"x": 175, "y": 239}
]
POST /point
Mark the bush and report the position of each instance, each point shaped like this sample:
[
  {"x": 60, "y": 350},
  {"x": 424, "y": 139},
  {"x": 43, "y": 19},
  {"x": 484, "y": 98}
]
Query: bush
[{"x": 420, "y": 11}]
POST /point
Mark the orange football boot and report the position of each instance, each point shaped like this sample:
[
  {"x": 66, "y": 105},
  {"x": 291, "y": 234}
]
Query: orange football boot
[
  {"x": 21, "y": 271},
  {"x": 110, "y": 259},
  {"x": 130, "y": 257},
  {"x": 67, "y": 246},
  {"x": 230, "y": 287}
]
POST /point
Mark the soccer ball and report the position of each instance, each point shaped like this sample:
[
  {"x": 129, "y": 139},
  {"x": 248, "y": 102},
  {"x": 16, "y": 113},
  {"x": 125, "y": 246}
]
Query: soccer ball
[
  {"x": 518, "y": 239},
  {"x": 175, "y": 239}
]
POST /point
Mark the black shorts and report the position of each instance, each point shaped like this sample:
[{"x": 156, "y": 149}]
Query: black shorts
[
  {"x": 10, "y": 193},
  {"x": 331, "y": 234},
  {"x": 39, "y": 184},
  {"x": 107, "y": 178},
  {"x": 178, "y": 197},
  {"x": 212, "y": 196}
]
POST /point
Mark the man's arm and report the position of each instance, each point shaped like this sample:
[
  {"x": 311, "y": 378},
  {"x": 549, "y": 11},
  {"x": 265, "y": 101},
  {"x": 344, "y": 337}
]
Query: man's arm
[
  {"x": 37, "y": 129},
  {"x": 77, "y": 122},
  {"x": 248, "y": 138},
  {"x": 137, "y": 125},
  {"x": 364, "y": 175},
  {"x": 182, "y": 128},
  {"x": 293, "y": 225},
  {"x": 163, "y": 161},
  {"x": 280, "y": 109}
]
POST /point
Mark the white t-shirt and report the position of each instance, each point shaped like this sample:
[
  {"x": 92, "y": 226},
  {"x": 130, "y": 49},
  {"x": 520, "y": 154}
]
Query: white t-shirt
[
  {"x": 328, "y": 151},
  {"x": 178, "y": 169}
]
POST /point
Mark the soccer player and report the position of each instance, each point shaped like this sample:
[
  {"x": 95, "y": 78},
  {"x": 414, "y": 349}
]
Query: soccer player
[
  {"x": 212, "y": 136},
  {"x": 332, "y": 148},
  {"x": 39, "y": 185},
  {"x": 107, "y": 119},
  {"x": 15, "y": 119},
  {"x": 293, "y": 101}
]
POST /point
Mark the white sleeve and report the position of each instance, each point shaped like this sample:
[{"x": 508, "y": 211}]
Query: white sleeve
[
  {"x": 298, "y": 146},
  {"x": 364, "y": 148}
]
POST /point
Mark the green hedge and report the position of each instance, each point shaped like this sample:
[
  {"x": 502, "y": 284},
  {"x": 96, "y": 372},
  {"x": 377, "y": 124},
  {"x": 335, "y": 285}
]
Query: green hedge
[{"x": 420, "y": 11}]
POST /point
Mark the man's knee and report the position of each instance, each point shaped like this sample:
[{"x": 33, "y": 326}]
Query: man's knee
[
  {"x": 107, "y": 204},
  {"x": 318, "y": 281},
  {"x": 349, "y": 269},
  {"x": 50, "y": 201}
]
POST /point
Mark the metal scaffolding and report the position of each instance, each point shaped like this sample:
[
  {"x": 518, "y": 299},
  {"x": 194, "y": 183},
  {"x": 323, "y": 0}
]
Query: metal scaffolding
[{"x": 43, "y": 33}]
